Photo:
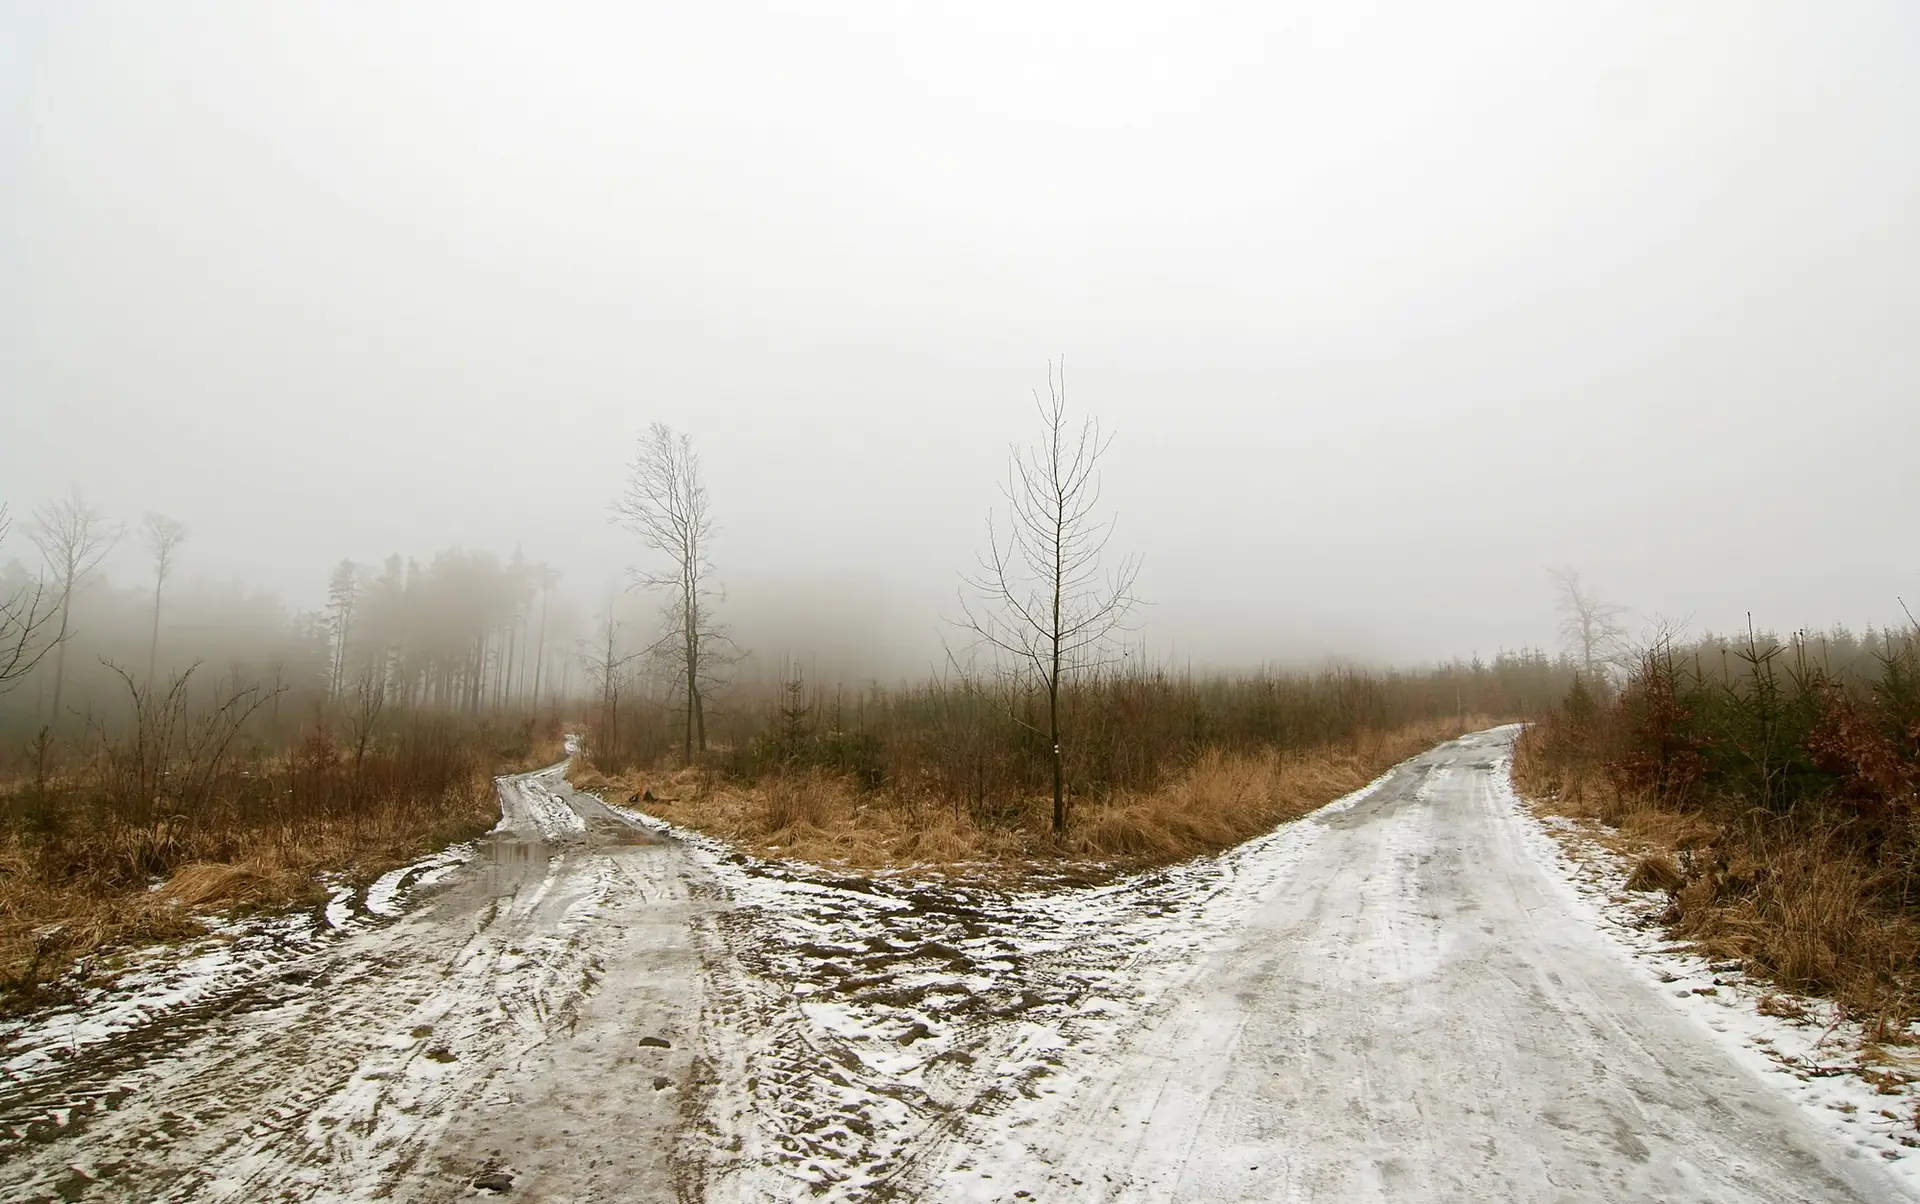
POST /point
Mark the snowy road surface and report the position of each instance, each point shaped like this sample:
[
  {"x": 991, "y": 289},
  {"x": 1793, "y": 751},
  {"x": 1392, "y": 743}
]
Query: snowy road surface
[{"x": 1398, "y": 997}]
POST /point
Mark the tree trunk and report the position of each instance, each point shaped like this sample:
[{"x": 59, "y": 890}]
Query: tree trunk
[
  {"x": 153, "y": 643},
  {"x": 506, "y": 668},
  {"x": 1053, "y": 677},
  {"x": 60, "y": 657},
  {"x": 693, "y": 702},
  {"x": 540, "y": 657}
]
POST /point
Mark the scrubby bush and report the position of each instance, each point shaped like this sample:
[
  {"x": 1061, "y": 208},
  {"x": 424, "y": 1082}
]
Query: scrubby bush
[{"x": 1787, "y": 774}]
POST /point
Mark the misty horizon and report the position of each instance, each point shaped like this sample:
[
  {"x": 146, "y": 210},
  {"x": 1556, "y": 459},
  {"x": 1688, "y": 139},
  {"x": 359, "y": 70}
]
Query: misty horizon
[{"x": 1387, "y": 317}]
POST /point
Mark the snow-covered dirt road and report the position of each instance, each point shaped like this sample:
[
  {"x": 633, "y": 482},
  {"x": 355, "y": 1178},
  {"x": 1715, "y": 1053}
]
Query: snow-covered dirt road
[
  {"x": 396, "y": 1047},
  {"x": 1422, "y": 1010},
  {"x": 1401, "y": 996}
]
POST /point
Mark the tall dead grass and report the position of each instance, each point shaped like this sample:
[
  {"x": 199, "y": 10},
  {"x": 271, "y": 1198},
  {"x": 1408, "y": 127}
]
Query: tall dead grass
[
  {"x": 1222, "y": 798},
  {"x": 1158, "y": 765},
  {"x": 94, "y": 858}
]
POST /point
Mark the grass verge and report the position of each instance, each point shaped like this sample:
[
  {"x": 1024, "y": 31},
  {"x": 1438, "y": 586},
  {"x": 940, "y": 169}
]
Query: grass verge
[
  {"x": 1773, "y": 800},
  {"x": 1218, "y": 800},
  {"x": 95, "y": 860}
]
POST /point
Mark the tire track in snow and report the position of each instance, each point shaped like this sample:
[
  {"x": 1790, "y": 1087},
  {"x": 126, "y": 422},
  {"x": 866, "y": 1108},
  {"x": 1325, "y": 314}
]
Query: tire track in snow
[
  {"x": 856, "y": 1021},
  {"x": 1417, "y": 1015},
  {"x": 303, "y": 1062}
]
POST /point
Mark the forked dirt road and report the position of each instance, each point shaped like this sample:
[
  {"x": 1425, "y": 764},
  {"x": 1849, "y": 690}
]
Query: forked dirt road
[{"x": 1395, "y": 998}]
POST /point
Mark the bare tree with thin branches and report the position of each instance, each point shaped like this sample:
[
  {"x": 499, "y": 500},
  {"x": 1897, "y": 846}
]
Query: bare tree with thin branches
[
  {"x": 606, "y": 663},
  {"x": 666, "y": 505},
  {"x": 1042, "y": 599},
  {"x": 1590, "y": 628},
  {"x": 163, "y": 537},
  {"x": 362, "y": 711},
  {"x": 343, "y": 597},
  {"x": 26, "y": 619},
  {"x": 546, "y": 577},
  {"x": 73, "y": 538}
]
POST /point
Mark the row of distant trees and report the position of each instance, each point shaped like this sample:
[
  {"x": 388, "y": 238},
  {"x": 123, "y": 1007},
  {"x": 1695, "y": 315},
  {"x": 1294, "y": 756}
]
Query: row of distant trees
[{"x": 462, "y": 631}]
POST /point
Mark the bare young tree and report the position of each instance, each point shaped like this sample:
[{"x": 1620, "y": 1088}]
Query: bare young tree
[
  {"x": 666, "y": 505},
  {"x": 73, "y": 538},
  {"x": 1042, "y": 600},
  {"x": 174, "y": 755},
  {"x": 163, "y": 537},
  {"x": 26, "y": 621},
  {"x": 606, "y": 663},
  {"x": 363, "y": 708},
  {"x": 1590, "y": 628}
]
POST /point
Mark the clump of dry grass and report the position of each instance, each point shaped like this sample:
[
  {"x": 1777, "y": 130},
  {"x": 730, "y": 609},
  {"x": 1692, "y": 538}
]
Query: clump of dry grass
[
  {"x": 1227, "y": 797},
  {"x": 1223, "y": 798},
  {"x": 1655, "y": 871}
]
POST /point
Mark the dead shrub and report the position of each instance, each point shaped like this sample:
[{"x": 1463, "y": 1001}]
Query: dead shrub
[{"x": 1781, "y": 784}]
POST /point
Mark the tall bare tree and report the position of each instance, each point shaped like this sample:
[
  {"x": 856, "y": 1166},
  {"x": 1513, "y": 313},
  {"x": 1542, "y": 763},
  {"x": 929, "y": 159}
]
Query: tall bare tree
[
  {"x": 163, "y": 537},
  {"x": 26, "y": 619},
  {"x": 343, "y": 595},
  {"x": 1043, "y": 599},
  {"x": 547, "y": 577},
  {"x": 666, "y": 505},
  {"x": 1590, "y": 627},
  {"x": 73, "y": 537}
]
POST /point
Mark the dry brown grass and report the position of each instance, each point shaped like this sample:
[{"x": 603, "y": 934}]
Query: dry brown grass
[
  {"x": 1794, "y": 897},
  {"x": 1219, "y": 801},
  {"x": 66, "y": 893},
  {"x": 47, "y": 922}
]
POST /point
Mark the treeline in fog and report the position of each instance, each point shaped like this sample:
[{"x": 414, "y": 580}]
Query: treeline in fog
[{"x": 458, "y": 631}]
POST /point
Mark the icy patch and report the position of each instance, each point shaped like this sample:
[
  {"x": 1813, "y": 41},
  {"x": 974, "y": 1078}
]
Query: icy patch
[
  {"x": 1813, "y": 1054},
  {"x": 339, "y": 910}
]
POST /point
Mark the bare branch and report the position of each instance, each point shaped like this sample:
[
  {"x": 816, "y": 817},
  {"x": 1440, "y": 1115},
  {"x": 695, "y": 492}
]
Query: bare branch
[{"x": 26, "y": 623}]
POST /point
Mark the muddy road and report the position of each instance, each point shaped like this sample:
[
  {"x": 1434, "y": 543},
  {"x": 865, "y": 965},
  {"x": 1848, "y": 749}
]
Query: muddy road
[{"x": 1395, "y": 998}]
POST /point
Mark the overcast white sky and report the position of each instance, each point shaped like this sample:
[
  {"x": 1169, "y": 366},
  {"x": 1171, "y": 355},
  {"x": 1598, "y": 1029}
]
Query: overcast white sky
[{"x": 1389, "y": 307}]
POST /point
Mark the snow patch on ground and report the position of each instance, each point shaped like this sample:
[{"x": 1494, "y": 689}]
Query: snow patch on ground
[
  {"x": 1816, "y": 1057},
  {"x": 871, "y": 1010},
  {"x": 160, "y": 981},
  {"x": 386, "y": 896}
]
